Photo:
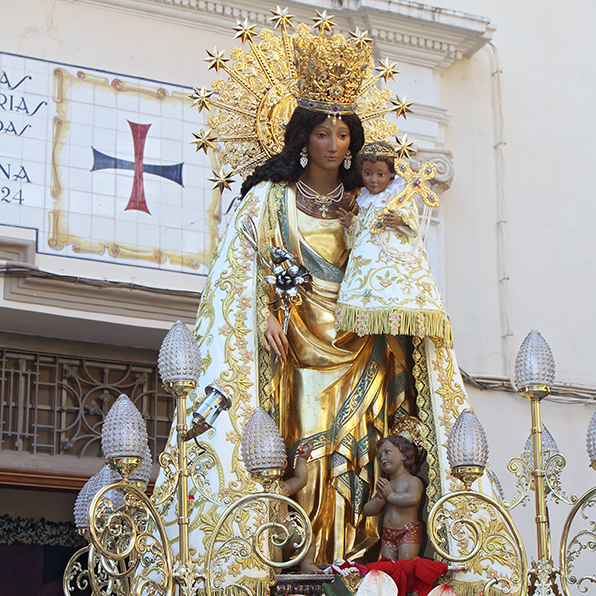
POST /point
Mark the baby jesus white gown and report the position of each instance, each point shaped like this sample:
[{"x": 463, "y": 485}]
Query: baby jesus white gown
[{"x": 388, "y": 286}]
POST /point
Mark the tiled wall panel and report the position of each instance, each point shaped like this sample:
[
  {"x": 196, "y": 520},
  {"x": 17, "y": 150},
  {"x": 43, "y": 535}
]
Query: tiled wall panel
[{"x": 102, "y": 165}]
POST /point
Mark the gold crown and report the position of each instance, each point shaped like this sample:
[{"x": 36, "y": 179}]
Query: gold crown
[
  {"x": 377, "y": 150},
  {"x": 251, "y": 108},
  {"x": 330, "y": 70}
]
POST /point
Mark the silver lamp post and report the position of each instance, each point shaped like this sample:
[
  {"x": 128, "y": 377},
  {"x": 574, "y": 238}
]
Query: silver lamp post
[
  {"x": 179, "y": 366},
  {"x": 534, "y": 376}
]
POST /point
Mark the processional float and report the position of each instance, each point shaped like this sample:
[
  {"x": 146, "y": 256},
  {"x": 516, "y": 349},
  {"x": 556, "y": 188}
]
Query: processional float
[{"x": 128, "y": 550}]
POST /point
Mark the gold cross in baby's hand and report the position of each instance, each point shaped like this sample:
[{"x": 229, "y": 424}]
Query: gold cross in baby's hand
[{"x": 415, "y": 185}]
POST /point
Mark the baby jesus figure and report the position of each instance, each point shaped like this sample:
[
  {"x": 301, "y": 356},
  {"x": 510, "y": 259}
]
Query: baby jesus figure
[{"x": 398, "y": 498}]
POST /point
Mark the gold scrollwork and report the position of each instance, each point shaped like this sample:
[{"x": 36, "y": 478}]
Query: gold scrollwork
[
  {"x": 100, "y": 581},
  {"x": 130, "y": 549},
  {"x": 171, "y": 475},
  {"x": 584, "y": 540},
  {"x": 482, "y": 534},
  {"x": 188, "y": 579},
  {"x": 553, "y": 468},
  {"x": 520, "y": 466},
  {"x": 252, "y": 536},
  {"x": 203, "y": 458},
  {"x": 522, "y": 470},
  {"x": 76, "y": 576}
]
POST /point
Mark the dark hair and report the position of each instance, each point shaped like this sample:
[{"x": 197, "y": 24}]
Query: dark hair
[
  {"x": 285, "y": 166},
  {"x": 390, "y": 161},
  {"x": 409, "y": 451}
]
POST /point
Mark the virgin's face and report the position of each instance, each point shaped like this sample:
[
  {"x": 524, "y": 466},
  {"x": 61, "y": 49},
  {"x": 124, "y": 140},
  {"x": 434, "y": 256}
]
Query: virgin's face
[{"x": 328, "y": 144}]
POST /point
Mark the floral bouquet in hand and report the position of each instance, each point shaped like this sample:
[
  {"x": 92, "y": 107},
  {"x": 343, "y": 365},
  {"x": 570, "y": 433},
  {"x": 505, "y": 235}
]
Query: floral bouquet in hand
[{"x": 286, "y": 274}]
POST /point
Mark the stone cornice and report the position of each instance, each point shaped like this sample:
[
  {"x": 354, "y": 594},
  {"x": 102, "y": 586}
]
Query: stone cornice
[
  {"x": 432, "y": 113},
  {"x": 416, "y": 33}
]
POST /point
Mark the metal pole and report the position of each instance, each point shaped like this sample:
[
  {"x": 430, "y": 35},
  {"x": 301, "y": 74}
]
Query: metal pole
[
  {"x": 542, "y": 529},
  {"x": 183, "y": 519}
]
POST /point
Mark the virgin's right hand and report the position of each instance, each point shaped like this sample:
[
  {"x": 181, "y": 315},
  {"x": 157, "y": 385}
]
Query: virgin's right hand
[{"x": 275, "y": 338}]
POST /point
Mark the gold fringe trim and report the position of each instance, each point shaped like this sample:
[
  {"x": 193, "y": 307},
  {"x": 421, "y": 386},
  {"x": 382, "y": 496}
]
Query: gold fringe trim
[{"x": 378, "y": 321}]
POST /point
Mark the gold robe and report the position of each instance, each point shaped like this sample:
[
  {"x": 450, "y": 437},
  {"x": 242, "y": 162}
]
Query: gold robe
[{"x": 339, "y": 391}]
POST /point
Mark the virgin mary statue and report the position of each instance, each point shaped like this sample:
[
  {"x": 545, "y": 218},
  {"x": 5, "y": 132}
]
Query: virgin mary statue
[{"x": 306, "y": 96}]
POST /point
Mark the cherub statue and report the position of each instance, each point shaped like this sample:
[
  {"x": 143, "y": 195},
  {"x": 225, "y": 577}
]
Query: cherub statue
[{"x": 398, "y": 498}]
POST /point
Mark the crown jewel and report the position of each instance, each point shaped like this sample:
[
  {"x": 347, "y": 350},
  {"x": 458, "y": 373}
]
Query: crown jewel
[
  {"x": 330, "y": 70},
  {"x": 377, "y": 150}
]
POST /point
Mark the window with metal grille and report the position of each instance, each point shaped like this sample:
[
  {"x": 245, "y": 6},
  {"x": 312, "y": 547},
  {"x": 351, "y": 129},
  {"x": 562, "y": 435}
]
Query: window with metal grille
[{"x": 57, "y": 404}]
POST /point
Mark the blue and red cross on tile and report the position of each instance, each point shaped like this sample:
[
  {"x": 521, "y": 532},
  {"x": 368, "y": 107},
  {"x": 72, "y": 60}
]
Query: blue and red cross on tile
[{"x": 137, "y": 200}]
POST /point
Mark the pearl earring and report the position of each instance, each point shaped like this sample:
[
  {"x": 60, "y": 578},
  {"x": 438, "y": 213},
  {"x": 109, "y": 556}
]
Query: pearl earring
[
  {"x": 303, "y": 157},
  {"x": 348, "y": 160}
]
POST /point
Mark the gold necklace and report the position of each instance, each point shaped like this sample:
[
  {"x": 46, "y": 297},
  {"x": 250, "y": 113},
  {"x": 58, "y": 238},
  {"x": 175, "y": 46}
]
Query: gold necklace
[{"x": 335, "y": 196}]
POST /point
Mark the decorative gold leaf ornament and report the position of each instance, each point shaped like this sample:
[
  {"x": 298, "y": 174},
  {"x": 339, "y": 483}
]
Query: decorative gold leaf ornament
[{"x": 266, "y": 82}]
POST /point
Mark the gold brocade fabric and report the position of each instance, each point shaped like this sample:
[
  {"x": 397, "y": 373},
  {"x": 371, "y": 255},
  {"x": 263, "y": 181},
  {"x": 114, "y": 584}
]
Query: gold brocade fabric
[
  {"x": 389, "y": 286},
  {"x": 338, "y": 390}
]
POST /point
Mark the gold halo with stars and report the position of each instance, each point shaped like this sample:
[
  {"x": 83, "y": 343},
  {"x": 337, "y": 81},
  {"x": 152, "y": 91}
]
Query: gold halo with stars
[{"x": 252, "y": 106}]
